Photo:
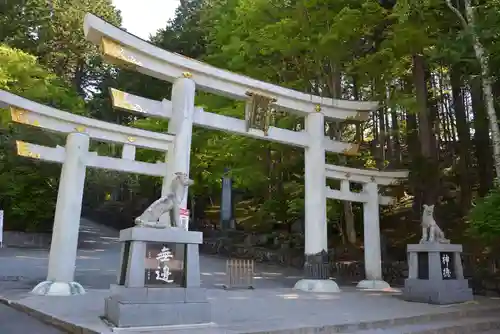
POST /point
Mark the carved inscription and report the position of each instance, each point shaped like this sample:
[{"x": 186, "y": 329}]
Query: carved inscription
[{"x": 259, "y": 114}]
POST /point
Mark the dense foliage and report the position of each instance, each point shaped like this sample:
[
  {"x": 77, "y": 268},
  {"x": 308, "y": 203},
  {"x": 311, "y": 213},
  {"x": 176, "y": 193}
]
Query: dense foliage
[
  {"x": 29, "y": 188},
  {"x": 416, "y": 58},
  {"x": 484, "y": 217}
]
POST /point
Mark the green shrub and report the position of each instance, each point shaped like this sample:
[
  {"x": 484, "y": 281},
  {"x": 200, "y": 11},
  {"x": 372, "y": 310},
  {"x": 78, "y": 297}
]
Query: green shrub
[{"x": 484, "y": 217}]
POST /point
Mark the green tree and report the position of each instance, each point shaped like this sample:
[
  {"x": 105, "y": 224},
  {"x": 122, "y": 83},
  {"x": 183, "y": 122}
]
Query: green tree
[{"x": 28, "y": 188}]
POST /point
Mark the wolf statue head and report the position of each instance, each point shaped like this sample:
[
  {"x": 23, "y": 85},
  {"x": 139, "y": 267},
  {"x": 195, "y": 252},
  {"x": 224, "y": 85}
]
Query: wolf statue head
[
  {"x": 182, "y": 179},
  {"x": 428, "y": 210}
]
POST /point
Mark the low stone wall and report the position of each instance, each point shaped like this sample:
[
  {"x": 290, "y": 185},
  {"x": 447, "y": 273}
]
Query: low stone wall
[
  {"x": 483, "y": 274},
  {"x": 225, "y": 247},
  {"x": 27, "y": 240}
]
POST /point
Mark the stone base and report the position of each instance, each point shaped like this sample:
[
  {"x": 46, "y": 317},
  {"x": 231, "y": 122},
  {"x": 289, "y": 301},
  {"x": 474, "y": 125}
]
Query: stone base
[
  {"x": 139, "y": 307},
  {"x": 437, "y": 292},
  {"x": 373, "y": 285},
  {"x": 317, "y": 266},
  {"x": 312, "y": 285},
  {"x": 50, "y": 288}
]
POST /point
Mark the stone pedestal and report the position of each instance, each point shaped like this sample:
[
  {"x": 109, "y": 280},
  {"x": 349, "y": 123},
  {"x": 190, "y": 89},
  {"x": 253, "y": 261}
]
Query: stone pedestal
[
  {"x": 317, "y": 275},
  {"x": 157, "y": 287},
  {"x": 436, "y": 275}
]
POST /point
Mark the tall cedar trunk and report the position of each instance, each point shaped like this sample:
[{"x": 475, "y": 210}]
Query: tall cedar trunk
[
  {"x": 427, "y": 168},
  {"x": 358, "y": 125},
  {"x": 482, "y": 141},
  {"x": 463, "y": 138},
  {"x": 336, "y": 131},
  {"x": 78, "y": 77},
  {"x": 270, "y": 172},
  {"x": 396, "y": 138},
  {"x": 390, "y": 148},
  {"x": 413, "y": 152},
  {"x": 381, "y": 138},
  {"x": 489, "y": 100}
]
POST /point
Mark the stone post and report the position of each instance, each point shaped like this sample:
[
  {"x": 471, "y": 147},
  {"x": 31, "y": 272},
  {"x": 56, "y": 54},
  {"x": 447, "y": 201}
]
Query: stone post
[
  {"x": 316, "y": 237},
  {"x": 64, "y": 244},
  {"x": 373, "y": 257}
]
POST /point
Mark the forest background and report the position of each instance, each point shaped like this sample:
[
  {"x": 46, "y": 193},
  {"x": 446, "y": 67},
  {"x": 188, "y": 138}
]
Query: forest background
[{"x": 416, "y": 57}]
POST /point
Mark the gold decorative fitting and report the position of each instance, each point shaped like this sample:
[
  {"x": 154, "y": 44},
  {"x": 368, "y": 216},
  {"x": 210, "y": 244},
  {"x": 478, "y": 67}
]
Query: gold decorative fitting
[
  {"x": 131, "y": 139},
  {"x": 119, "y": 99},
  {"x": 187, "y": 75},
  {"x": 80, "y": 129},
  {"x": 24, "y": 151},
  {"x": 317, "y": 108},
  {"x": 114, "y": 50},
  {"x": 19, "y": 115},
  {"x": 352, "y": 150}
]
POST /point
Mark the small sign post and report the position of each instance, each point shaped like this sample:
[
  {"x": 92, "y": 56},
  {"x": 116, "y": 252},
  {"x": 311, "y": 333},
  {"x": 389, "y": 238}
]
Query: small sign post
[
  {"x": 1, "y": 228},
  {"x": 226, "y": 211},
  {"x": 185, "y": 218}
]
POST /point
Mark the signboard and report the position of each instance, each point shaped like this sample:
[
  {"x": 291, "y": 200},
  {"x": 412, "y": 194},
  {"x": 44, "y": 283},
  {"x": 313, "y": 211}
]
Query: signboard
[
  {"x": 226, "y": 210},
  {"x": 184, "y": 218},
  {"x": 447, "y": 267},
  {"x": 1, "y": 228},
  {"x": 163, "y": 266}
]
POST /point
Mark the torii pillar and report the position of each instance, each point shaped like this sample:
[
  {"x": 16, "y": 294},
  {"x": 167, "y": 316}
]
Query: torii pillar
[{"x": 316, "y": 236}]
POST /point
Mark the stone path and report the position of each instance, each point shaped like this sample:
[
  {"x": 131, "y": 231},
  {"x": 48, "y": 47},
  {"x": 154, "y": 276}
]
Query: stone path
[
  {"x": 98, "y": 259},
  {"x": 17, "y": 322}
]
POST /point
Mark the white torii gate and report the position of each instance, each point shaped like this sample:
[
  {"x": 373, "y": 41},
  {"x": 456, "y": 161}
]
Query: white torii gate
[
  {"x": 369, "y": 196},
  {"x": 75, "y": 157},
  {"x": 126, "y": 50}
]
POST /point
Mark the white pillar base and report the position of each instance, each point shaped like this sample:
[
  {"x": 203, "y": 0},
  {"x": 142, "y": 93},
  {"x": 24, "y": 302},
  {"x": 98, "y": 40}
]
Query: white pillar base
[
  {"x": 317, "y": 285},
  {"x": 373, "y": 285},
  {"x": 50, "y": 288}
]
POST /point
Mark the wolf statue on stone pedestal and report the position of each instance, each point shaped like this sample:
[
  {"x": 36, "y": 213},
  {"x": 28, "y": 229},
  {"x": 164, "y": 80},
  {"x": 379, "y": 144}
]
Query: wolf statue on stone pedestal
[
  {"x": 167, "y": 204},
  {"x": 431, "y": 233}
]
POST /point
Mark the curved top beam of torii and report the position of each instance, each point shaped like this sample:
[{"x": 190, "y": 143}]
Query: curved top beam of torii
[
  {"x": 125, "y": 49},
  {"x": 28, "y": 112},
  {"x": 381, "y": 177}
]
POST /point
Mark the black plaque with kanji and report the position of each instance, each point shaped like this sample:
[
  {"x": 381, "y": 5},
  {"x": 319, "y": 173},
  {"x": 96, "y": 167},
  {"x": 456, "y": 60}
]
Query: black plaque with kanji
[
  {"x": 163, "y": 267},
  {"x": 447, "y": 265}
]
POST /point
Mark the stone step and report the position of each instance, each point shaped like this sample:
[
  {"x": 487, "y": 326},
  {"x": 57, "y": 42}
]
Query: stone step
[{"x": 481, "y": 324}]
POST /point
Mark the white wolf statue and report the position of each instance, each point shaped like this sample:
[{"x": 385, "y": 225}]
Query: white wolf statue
[
  {"x": 167, "y": 204},
  {"x": 431, "y": 233}
]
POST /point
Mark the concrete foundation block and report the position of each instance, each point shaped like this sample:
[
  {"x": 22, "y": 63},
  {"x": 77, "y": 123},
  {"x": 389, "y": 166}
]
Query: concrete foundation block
[
  {"x": 155, "y": 314},
  {"x": 373, "y": 285},
  {"x": 50, "y": 288},
  {"x": 157, "y": 287},
  {"x": 311, "y": 285},
  {"x": 440, "y": 293},
  {"x": 435, "y": 275}
]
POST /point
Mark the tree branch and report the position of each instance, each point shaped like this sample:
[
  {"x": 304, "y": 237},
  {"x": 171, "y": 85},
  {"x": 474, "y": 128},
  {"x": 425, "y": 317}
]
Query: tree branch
[{"x": 461, "y": 18}]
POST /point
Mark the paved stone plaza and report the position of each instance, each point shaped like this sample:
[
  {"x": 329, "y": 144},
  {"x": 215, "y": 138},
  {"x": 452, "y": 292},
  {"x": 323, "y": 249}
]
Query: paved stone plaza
[{"x": 272, "y": 306}]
